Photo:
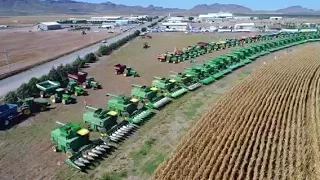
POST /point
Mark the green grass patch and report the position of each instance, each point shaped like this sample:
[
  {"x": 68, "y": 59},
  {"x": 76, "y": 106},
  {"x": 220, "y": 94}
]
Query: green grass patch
[
  {"x": 192, "y": 109},
  {"x": 143, "y": 152},
  {"x": 151, "y": 165},
  {"x": 115, "y": 176}
]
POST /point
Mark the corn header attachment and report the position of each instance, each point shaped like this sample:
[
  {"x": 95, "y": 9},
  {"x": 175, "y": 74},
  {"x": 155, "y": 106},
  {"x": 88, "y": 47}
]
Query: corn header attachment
[
  {"x": 169, "y": 87},
  {"x": 150, "y": 96},
  {"x": 74, "y": 140}
]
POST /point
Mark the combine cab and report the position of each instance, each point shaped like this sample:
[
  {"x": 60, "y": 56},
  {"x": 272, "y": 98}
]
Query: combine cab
[
  {"x": 74, "y": 140},
  {"x": 127, "y": 108},
  {"x": 186, "y": 80},
  {"x": 150, "y": 96},
  {"x": 169, "y": 87}
]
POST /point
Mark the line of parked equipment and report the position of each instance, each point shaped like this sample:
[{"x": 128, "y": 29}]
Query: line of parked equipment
[{"x": 125, "y": 114}]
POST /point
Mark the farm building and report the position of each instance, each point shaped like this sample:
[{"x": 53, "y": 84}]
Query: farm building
[
  {"x": 175, "y": 19},
  {"x": 108, "y": 19},
  {"x": 45, "y": 26},
  {"x": 244, "y": 27},
  {"x": 242, "y": 18},
  {"x": 275, "y": 18},
  {"x": 210, "y": 16},
  {"x": 175, "y": 27}
]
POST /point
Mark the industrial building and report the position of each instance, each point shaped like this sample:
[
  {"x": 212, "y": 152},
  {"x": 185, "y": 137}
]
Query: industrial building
[
  {"x": 175, "y": 27},
  {"x": 45, "y": 26},
  {"x": 210, "y": 17},
  {"x": 275, "y": 18},
  {"x": 175, "y": 19},
  {"x": 244, "y": 27},
  {"x": 108, "y": 19}
]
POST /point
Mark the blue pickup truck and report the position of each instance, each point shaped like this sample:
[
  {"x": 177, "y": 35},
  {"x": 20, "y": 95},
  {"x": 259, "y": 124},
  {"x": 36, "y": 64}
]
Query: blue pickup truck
[{"x": 7, "y": 114}]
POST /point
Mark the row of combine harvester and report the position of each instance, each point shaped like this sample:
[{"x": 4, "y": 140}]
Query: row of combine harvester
[{"x": 125, "y": 114}]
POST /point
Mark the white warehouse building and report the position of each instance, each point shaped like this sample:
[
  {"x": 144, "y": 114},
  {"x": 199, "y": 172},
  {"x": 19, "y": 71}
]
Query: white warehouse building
[
  {"x": 244, "y": 27},
  {"x": 175, "y": 27},
  {"x": 210, "y": 16}
]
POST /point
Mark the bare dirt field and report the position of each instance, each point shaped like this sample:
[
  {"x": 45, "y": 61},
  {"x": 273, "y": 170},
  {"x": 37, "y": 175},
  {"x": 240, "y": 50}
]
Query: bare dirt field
[
  {"x": 27, "y": 48},
  {"x": 26, "y": 149},
  {"x": 264, "y": 128}
]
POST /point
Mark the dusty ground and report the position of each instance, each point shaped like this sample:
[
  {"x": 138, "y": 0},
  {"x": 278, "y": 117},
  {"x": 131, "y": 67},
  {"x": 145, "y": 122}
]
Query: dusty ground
[
  {"x": 26, "y": 149},
  {"x": 26, "y": 48}
]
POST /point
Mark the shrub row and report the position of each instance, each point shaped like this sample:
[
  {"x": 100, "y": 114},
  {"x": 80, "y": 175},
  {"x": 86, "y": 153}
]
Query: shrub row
[
  {"x": 106, "y": 50},
  {"x": 61, "y": 72}
]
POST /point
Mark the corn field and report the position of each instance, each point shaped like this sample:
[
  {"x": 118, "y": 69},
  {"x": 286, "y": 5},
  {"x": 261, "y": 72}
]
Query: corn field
[{"x": 267, "y": 127}]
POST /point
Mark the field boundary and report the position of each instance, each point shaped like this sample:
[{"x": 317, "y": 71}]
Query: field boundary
[{"x": 17, "y": 71}]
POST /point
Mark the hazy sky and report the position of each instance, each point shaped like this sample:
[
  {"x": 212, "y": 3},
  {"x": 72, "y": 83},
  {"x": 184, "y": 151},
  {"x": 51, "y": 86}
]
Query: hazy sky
[{"x": 253, "y": 4}]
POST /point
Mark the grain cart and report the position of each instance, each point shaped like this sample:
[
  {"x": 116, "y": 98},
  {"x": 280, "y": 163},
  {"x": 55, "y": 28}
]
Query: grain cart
[
  {"x": 119, "y": 68},
  {"x": 150, "y": 96},
  {"x": 105, "y": 122},
  {"x": 206, "y": 48},
  {"x": 73, "y": 88},
  {"x": 127, "y": 108},
  {"x": 186, "y": 80},
  {"x": 50, "y": 88},
  {"x": 200, "y": 73},
  {"x": 80, "y": 77},
  {"x": 31, "y": 105},
  {"x": 74, "y": 140},
  {"x": 7, "y": 114},
  {"x": 173, "y": 58},
  {"x": 169, "y": 87}
]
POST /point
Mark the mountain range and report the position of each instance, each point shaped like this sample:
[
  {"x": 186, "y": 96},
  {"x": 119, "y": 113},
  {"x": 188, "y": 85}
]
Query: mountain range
[{"x": 37, "y": 7}]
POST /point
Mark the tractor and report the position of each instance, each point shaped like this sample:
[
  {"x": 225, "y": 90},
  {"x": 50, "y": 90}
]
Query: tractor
[
  {"x": 130, "y": 72},
  {"x": 83, "y": 80},
  {"x": 150, "y": 96},
  {"x": 31, "y": 105},
  {"x": 73, "y": 88},
  {"x": 186, "y": 80},
  {"x": 74, "y": 140},
  {"x": 169, "y": 87},
  {"x": 145, "y": 45},
  {"x": 91, "y": 83},
  {"x": 128, "y": 109}
]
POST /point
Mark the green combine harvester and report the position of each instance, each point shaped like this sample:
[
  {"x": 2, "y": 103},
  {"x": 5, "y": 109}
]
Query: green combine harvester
[
  {"x": 186, "y": 80},
  {"x": 236, "y": 62},
  {"x": 127, "y": 108},
  {"x": 107, "y": 123},
  {"x": 202, "y": 73},
  {"x": 169, "y": 87},
  {"x": 74, "y": 140},
  {"x": 150, "y": 96}
]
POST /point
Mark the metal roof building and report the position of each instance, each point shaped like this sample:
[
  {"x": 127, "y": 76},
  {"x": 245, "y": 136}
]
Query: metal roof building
[{"x": 45, "y": 26}]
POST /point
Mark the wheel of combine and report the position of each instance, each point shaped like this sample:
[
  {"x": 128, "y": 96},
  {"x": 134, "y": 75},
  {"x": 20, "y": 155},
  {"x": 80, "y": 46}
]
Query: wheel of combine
[
  {"x": 42, "y": 108},
  {"x": 6, "y": 123},
  {"x": 54, "y": 149},
  {"x": 53, "y": 99},
  {"x": 42, "y": 94},
  {"x": 26, "y": 111}
]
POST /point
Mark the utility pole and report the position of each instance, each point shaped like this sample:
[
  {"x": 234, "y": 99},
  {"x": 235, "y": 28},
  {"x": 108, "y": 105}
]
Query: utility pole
[{"x": 6, "y": 53}]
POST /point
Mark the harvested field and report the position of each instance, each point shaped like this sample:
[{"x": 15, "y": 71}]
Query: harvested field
[
  {"x": 27, "y": 48},
  {"x": 264, "y": 128}
]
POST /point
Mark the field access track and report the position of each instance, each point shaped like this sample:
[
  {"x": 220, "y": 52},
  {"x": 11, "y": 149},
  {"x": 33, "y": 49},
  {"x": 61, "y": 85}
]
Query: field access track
[{"x": 267, "y": 127}]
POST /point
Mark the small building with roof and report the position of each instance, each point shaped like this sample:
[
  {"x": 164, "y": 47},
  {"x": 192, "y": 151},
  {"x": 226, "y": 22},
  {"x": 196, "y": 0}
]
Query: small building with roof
[{"x": 46, "y": 26}]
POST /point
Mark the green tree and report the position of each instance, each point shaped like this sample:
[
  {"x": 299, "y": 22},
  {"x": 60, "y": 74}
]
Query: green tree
[
  {"x": 11, "y": 98},
  {"x": 32, "y": 85},
  {"x": 79, "y": 63},
  {"x": 54, "y": 75},
  {"x": 23, "y": 91},
  {"x": 104, "y": 50},
  {"x": 44, "y": 78},
  {"x": 90, "y": 58}
]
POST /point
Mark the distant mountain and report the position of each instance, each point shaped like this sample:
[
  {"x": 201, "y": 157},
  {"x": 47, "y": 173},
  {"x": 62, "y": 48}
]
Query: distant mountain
[
  {"x": 296, "y": 10},
  {"x": 233, "y": 8},
  {"x": 35, "y": 7}
]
